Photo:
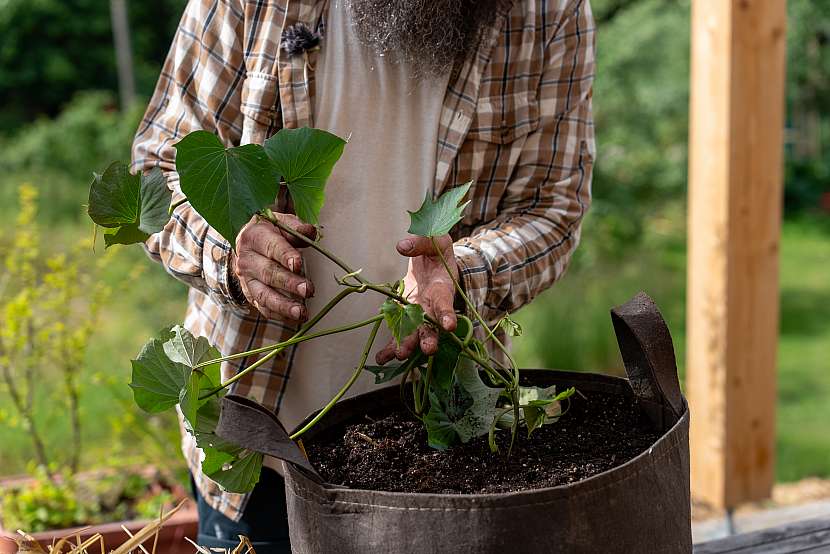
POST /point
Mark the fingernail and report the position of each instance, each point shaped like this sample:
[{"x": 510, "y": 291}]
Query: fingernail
[
  {"x": 292, "y": 262},
  {"x": 296, "y": 312},
  {"x": 446, "y": 321},
  {"x": 406, "y": 245},
  {"x": 302, "y": 289}
]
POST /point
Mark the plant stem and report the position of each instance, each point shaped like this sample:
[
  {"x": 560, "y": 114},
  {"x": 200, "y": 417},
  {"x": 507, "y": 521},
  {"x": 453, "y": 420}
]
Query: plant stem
[
  {"x": 388, "y": 293},
  {"x": 269, "y": 215},
  {"x": 303, "y": 330},
  {"x": 175, "y": 205},
  {"x": 422, "y": 394},
  {"x": 474, "y": 311},
  {"x": 358, "y": 370},
  {"x": 292, "y": 341}
]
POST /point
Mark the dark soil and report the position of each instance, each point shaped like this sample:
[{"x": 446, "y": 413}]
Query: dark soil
[{"x": 389, "y": 452}]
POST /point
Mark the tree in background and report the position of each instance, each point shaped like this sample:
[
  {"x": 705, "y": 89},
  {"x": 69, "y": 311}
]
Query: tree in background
[{"x": 51, "y": 49}]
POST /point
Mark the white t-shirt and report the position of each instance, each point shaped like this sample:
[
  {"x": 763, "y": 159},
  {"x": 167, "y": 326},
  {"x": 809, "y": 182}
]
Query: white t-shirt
[{"x": 387, "y": 167}]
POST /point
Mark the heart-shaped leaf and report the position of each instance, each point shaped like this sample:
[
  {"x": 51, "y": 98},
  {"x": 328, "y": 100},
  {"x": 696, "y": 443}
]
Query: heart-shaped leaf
[
  {"x": 402, "y": 320},
  {"x": 186, "y": 349},
  {"x": 541, "y": 406},
  {"x": 305, "y": 157},
  {"x": 238, "y": 472},
  {"x": 130, "y": 207},
  {"x": 227, "y": 186},
  {"x": 446, "y": 359},
  {"x": 436, "y": 218},
  {"x": 163, "y": 373},
  {"x": 466, "y": 412},
  {"x": 510, "y": 326},
  {"x": 157, "y": 381},
  {"x": 385, "y": 373}
]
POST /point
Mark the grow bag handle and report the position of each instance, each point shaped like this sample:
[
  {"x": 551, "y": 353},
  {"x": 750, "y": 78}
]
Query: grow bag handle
[
  {"x": 648, "y": 354},
  {"x": 250, "y": 425}
]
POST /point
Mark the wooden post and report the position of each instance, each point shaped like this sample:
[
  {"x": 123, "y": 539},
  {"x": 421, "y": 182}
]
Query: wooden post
[{"x": 735, "y": 191}]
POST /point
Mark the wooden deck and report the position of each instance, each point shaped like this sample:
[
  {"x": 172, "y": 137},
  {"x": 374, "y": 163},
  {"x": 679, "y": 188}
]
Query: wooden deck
[{"x": 812, "y": 536}]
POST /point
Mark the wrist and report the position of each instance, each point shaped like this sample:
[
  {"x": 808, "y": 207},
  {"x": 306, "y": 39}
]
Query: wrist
[{"x": 234, "y": 286}]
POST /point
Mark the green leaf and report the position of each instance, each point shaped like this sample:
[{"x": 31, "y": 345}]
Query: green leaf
[
  {"x": 441, "y": 433},
  {"x": 183, "y": 347},
  {"x": 534, "y": 418},
  {"x": 305, "y": 157},
  {"x": 157, "y": 381},
  {"x": 446, "y": 359},
  {"x": 541, "y": 406},
  {"x": 126, "y": 234},
  {"x": 227, "y": 186},
  {"x": 186, "y": 349},
  {"x": 130, "y": 207},
  {"x": 204, "y": 427},
  {"x": 215, "y": 459},
  {"x": 511, "y": 327},
  {"x": 233, "y": 467},
  {"x": 385, "y": 373},
  {"x": 234, "y": 472},
  {"x": 189, "y": 397},
  {"x": 436, "y": 218},
  {"x": 466, "y": 412},
  {"x": 401, "y": 320}
]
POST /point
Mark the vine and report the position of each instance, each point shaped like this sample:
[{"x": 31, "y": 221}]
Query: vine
[{"x": 229, "y": 186}]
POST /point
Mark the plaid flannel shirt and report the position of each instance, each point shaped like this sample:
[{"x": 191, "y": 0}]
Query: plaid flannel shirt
[{"x": 516, "y": 119}]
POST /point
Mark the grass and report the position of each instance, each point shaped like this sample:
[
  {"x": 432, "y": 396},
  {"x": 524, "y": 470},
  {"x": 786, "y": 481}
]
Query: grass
[
  {"x": 567, "y": 327},
  {"x": 803, "y": 439}
]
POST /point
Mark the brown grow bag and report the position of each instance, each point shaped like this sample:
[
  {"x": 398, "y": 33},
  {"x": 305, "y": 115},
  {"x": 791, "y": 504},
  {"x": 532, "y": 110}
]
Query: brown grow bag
[{"x": 640, "y": 506}]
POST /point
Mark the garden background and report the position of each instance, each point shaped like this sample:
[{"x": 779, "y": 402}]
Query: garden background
[{"x": 60, "y": 119}]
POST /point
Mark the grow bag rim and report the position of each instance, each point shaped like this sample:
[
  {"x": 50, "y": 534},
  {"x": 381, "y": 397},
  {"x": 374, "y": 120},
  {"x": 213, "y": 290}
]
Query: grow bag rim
[{"x": 662, "y": 447}]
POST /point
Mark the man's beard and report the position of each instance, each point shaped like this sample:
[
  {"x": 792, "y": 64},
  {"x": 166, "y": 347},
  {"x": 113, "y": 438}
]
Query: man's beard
[{"x": 430, "y": 36}]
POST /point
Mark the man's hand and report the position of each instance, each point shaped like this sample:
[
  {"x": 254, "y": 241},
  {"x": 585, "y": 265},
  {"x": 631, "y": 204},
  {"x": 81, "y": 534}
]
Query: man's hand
[
  {"x": 428, "y": 284},
  {"x": 268, "y": 267}
]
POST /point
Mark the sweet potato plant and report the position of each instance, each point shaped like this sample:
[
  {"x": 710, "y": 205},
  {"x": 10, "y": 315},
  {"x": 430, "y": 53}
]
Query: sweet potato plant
[{"x": 460, "y": 393}]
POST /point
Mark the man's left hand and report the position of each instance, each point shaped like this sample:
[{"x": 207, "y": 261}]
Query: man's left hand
[{"x": 428, "y": 284}]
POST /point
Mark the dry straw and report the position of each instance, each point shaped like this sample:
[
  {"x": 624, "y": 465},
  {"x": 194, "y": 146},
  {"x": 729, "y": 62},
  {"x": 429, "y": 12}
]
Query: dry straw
[{"x": 138, "y": 542}]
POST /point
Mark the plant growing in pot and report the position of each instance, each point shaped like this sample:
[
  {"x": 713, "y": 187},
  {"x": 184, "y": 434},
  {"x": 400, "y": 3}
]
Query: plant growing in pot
[{"x": 465, "y": 403}]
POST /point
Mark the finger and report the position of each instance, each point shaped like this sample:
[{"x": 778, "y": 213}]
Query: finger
[
  {"x": 274, "y": 305},
  {"x": 429, "y": 339},
  {"x": 386, "y": 354},
  {"x": 294, "y": 222},
  {"x": 413, "y": 246},
  {"x": 442, "y": 308},
  {"x": 265, "y": 270},
  {"x": 407, "y": 347},
  {"x": 266, "y": 240}
]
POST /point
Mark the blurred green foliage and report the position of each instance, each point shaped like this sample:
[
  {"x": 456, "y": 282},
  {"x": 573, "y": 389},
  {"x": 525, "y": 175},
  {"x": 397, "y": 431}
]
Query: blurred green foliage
[
  {"x": 51, "y": 49},
  {"x": 65, "y": 500}
]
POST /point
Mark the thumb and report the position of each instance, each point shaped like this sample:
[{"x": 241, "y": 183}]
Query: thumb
[{"x": 414, "y": 246}]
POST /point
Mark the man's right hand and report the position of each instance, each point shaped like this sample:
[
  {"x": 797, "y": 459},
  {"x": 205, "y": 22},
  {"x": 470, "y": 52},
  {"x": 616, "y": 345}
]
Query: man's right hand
[{"x": 269, "y": 267}]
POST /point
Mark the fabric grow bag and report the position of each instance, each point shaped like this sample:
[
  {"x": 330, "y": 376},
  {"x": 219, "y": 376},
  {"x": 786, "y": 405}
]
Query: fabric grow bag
[{"x": 640, "y": 506}]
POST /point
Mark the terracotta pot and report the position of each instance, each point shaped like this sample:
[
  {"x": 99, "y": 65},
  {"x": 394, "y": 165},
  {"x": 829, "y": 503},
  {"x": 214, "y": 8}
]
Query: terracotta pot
[{"x": 171, "y": 536}]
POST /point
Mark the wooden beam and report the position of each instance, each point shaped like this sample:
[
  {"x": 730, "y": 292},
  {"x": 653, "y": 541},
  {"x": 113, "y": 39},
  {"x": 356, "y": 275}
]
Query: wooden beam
[{"x": 735, "y": 191}]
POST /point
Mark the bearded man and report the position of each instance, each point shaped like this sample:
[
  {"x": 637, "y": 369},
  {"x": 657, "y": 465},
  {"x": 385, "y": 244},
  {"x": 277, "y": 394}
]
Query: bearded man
[{"x": 433, "y": 93}]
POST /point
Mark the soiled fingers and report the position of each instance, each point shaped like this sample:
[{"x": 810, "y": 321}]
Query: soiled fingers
[
  {"x": 426, "y": 338},
  {"x": 294, "y": 222},
  {"x": 255, "y": 266},
  {"x": 271, "y": 303}
]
